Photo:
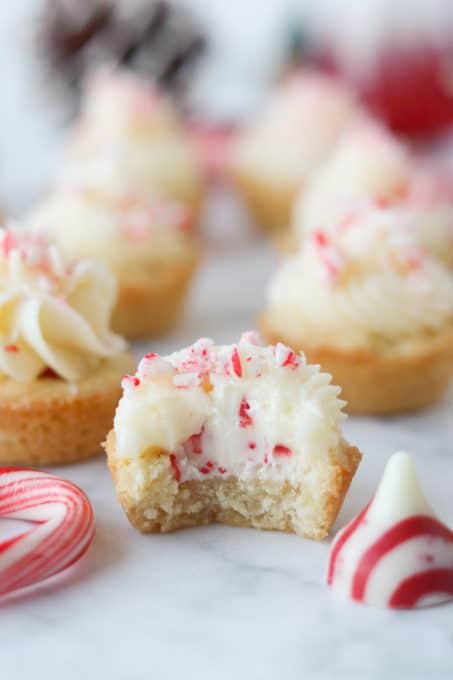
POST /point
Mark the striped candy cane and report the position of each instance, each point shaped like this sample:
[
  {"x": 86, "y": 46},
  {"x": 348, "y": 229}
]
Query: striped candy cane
[{"x": 64, "y": 526}]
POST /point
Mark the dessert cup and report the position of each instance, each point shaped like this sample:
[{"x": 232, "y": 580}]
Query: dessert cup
[
  {"x": 272, "y": 159},
  {"x": 372, "y": 308},
  {"x": 242, "y": 434},
  {"x": 60, "y": 365},
  {"x": 148, "y": 245}
]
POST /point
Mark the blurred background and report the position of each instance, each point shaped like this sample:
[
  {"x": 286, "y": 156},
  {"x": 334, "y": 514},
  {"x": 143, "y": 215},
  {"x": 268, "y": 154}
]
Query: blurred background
[{"x": 219, "y": 59}]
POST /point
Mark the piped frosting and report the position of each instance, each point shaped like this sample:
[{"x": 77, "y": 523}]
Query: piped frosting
[
  {"x": 131, "y": 234},
  {"x": 129, "y": 133},
  {"x": 298, "y": 129},
  {"x": 218, "y": 410},
  {"x": 53, "y": 314},
  {"x": 368, "y": 164},
  {"x": 367, "y": 283}
]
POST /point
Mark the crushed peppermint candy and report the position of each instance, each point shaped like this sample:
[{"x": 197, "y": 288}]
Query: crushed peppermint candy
[
  {"x": 130, "y": 381},
  {"x": 236, "y": 362},
  {"x": 11, "y": 348},
  {"x": 195, "y": 443},
  {"x": 245, "y": 419},
  {"x": 285, "y": 356},
  {"x": 281, "y": 450},
  {"x": 329, "y": 256},
  {"x": 175, "y": 467},
  {"x": 252, "y": 337},
  {"x": 153, "y": 365},
  {"x": 186, "y": 380}
]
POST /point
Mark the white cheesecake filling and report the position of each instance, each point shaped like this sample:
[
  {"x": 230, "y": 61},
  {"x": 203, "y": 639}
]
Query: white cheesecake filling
[{"x": 242, "y": 410}]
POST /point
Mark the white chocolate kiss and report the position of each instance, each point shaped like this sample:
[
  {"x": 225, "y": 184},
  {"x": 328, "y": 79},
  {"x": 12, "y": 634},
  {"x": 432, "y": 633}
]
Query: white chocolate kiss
[
  {"x": 242, "y": 410},
  {"x": 398, "y": 502}
]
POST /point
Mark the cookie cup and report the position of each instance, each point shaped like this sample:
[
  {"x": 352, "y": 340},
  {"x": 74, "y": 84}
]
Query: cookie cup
[
  {"x": 155, "y": 502},
  {"x": 150, "y": 305},
  {"x": 269, "y": 204},
  {"x": 52, "y": 422},
  {"x": 373, "y": 382}
]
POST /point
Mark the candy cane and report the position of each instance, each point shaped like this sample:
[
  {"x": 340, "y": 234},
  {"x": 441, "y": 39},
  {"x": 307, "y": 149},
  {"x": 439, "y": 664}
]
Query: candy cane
[{"x": 64, "y": 526}]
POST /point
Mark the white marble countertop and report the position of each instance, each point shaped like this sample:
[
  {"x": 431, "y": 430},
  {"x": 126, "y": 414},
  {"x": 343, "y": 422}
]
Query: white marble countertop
[{"x": 227, "y": 603}]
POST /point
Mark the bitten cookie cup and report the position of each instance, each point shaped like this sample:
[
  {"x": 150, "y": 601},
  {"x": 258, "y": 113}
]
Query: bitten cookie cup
[
  {"x": 273, "y": 158},
  {"x": 242, "y": 434},
  {"x": 130, "y": 133},
  {"x": 372, "y": 308},
  {"x": 60, "y": 365}
]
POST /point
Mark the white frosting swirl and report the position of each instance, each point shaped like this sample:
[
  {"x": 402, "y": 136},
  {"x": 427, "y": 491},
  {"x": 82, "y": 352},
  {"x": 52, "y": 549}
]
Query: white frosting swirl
[
  {"x": 133, "y": 236},
  {"x": 430, "y": 204},
  {"x": 52, "y": 315},
  {"x": 241, "y": 410},
  {"x": 298, "y": 129},
  {"x": 130, "y": 132},
  {"x": 368, "y": 163},
  {"x": 366, "y": 284}
]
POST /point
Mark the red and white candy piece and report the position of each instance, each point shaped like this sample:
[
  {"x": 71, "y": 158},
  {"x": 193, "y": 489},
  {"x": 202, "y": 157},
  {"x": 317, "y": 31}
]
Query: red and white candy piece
[
  {"x": 64, "y": 526},
  {"x": 395, "y": 553}
]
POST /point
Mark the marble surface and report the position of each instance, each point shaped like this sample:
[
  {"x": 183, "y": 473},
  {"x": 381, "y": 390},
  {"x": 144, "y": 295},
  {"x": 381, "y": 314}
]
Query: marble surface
[{"x": 226, "y": 603}]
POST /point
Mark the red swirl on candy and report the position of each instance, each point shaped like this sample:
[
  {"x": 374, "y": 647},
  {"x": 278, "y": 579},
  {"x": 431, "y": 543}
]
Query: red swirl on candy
[
  {"x": 64, "y": 526},
  {"x": 395, "y": 553}
]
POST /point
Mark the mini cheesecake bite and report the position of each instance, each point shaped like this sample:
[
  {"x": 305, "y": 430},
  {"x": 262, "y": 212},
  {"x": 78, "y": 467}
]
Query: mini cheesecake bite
[
  {"x": 370, "y": 167},
  {"x": 60, "y": 365},
  {"x": 148, "y": 244},
  {"x": 241, "y": 434},
  {"x": 273, "y": 159},
  {"x": 373, "y": 307}
]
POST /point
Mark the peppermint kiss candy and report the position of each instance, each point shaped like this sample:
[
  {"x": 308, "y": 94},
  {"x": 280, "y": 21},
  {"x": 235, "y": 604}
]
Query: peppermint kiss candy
[
  {"x": 395, "y": 553},
  {"x": 64, "y": 526}
]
